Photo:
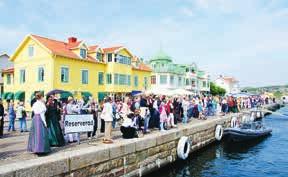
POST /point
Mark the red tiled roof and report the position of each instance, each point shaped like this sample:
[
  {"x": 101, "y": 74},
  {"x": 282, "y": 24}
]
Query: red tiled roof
[
  {"x": 58, "y": 47},
  {"x": 64, "y": 49},
  {"x": 111, "y": 49},
  {"x": 8, "y": 70},
  {"x": 93, "y": 48},
  {"x": 143, "y": 67},
  {"x": 232, "y": 79}
]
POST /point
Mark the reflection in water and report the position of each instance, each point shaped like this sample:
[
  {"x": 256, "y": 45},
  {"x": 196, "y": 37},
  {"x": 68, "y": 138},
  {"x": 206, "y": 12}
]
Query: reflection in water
[
  {"x": 237, "y": 150},
  {"x": 263, "y": 157}
]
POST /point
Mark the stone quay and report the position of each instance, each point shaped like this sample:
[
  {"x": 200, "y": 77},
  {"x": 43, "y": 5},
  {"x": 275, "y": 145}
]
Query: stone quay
[{"x": 126, "y": 157}]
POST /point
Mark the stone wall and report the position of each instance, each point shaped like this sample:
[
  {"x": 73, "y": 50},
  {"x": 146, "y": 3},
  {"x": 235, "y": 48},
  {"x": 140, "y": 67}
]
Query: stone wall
[{"x": 134, "y": 157}]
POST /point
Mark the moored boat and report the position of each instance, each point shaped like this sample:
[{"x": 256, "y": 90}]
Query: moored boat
[{"x": 247, "y": 131}]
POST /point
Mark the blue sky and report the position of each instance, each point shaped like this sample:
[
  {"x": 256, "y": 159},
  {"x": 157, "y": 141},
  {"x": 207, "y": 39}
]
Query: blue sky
[{"x": 247, "y": 39}]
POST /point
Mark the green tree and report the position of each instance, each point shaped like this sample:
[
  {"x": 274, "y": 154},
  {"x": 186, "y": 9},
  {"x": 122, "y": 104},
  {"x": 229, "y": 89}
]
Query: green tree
[
  {"x": 278, "y": 94},
  {"x": 216, "y": 90}
]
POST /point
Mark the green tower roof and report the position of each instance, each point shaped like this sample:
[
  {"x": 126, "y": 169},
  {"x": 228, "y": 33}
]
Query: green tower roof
[{"x": 160, "y": 55}]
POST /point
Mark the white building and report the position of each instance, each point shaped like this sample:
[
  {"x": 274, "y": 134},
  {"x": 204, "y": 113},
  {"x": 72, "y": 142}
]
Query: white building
[
  {"x": 230, "y": 84},
  {"x": 4, "y": 64},
  {"x": 168, "y": 75}
]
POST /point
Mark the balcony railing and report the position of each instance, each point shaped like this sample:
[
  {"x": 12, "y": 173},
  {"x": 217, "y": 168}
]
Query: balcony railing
[{"x": 169, "y": 70}]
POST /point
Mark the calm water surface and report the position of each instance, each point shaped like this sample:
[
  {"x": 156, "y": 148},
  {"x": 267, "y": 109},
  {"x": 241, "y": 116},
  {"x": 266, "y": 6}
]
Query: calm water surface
[{"x": 263, "y": 158}]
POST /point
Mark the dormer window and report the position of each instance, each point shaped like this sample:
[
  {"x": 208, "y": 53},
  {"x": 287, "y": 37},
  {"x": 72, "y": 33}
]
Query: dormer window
[
  {"x": 122, "y": 59},
  {"x": 99, "y": 56},
  {"x": 109, "y": 56},
  {"x": 83, "y": 53}
]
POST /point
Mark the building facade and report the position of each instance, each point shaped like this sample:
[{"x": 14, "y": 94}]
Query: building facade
[
  {"x": 43, "y": 64},
  {"x": 169, "y": 75},
  {"x": 5, "y": 63},
  {"x": 230, "y": 84}
]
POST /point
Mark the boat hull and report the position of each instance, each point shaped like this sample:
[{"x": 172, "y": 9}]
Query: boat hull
[{"x": 238, "y": 135}]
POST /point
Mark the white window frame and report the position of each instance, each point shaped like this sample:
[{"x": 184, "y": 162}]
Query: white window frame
[
  {"x": 20, "y": 81},
  {"x": 82, "y": 76},
  {"x": 66, "y": 67},
  {"x": 81, "y": 49},
  {"x": 38, "y": 73}
]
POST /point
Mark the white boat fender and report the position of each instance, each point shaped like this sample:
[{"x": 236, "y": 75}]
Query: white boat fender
[
  {"x": 258, "y": 115},
  {"x": 251, "y": 119},
  {"x": 219, "y": 132},
  {"x": 246, "y": 119},
  {"x": 234, "y": 122},
  {"x": 183, "y": 148},
  {"x": 253, "y": 114}
]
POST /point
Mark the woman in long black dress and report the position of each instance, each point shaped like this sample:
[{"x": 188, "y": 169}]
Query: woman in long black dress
[
  {"x": 94, "y": 112},
  {"x": 53, "y": 116}
]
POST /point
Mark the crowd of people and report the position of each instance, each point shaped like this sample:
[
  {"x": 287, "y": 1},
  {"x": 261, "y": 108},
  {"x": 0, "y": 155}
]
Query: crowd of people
[{"x": 134, "y": 115}]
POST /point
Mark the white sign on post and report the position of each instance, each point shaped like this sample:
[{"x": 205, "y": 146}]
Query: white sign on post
[{"x": 76, "y": 123}]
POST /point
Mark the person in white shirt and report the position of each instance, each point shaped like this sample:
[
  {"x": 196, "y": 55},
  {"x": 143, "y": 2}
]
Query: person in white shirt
[
  {"x": 107, "y": 116},
  {"x": 21, "y": 115},
  {"x": 129, "y": 125},
  {"x": 72, "y": 109},
  {"x": 38, "y": 138},
  {"x": 185, "y": 105}
]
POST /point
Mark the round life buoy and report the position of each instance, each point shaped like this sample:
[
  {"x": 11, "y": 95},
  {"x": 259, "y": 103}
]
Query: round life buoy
[
  {"x": 219, "y": 132},
  {"x": 183, "y": 148},
  {"x": 234, "y": 121}
]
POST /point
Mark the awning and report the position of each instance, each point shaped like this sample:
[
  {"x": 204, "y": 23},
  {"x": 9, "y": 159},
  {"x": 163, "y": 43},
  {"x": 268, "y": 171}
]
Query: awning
[
  {"x": 4, "y": 96},
  {"x": 101, "y": 96},
  {"x": 20, "y": 95},
  {"x": 86, "y": 95},
  {"x": 65, "y": 95},
  {"x": 10, "y": 96},
  {"x": 182, "y": 92},
  {"x": 135, "y": 92},
  {"x": 159, "y": 91}
]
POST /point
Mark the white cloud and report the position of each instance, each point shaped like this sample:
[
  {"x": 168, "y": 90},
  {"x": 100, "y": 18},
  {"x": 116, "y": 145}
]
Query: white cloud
[
  {"x": 243, "y": 7},
  {"x": 205, "y": 4},
  {"x": 187, "y": 11},
  {"x": 281, "y": 13},
  {"x": 10, "y": 38},
  {"x": 2, "y": 4}
]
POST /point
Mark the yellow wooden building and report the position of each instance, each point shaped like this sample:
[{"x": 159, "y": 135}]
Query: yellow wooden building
[{"x": 43, "y": 64}]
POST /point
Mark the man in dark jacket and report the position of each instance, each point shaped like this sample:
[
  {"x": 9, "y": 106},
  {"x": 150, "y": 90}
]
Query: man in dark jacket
[{"x": 1, "y": 118}]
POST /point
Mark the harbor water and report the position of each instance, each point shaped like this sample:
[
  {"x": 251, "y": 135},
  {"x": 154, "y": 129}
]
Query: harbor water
[{"x": 267, "y": 157}]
